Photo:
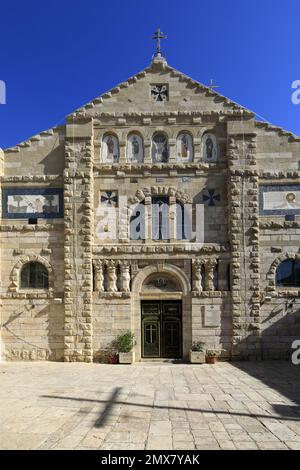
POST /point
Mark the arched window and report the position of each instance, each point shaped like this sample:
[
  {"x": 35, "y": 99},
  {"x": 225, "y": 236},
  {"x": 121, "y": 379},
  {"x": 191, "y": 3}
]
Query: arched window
[
  {"x": 160, "y": 217},
  {"x": 137, "y": 222},
  {"x": 160, "y": 148},
  {"x": 110, "y": 149},
  {"x": 34, "y": 276},
  {"x": 288, "y": 273},
  {"x": 184, "y": 229},
  {"x": 135, "y": 149},
  {"x": 184, "y": 147},
  {"x": 209, "y": 147}
]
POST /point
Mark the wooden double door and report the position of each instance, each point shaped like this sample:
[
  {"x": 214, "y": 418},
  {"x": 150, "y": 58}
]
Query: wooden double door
[{"x": 161, "y": 329}]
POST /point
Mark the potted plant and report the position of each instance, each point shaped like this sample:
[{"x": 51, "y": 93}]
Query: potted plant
[
  {"x": 124, "y": 345},
  {"x": 112, "y": 356},
  {"x": 197, "y": 353},
  {"x": 212, "y": 355}
]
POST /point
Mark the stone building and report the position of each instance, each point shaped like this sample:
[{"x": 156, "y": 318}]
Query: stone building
[{"x": 160, "y": 207}]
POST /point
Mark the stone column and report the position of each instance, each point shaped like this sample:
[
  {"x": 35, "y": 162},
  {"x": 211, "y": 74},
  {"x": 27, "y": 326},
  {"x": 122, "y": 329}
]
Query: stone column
[
  {"x": 147, "y": 152},
  {"x": 197, "y": 275},
  {"x": 99, "y": 277},
  {"x": 172, "y": 151},
  {"x": 197, "y": 150},
  {"x": 122, "y": 146},
  {"x": 111, "y": 276},
  {"x": 210, "y": 266},
  {"x": 125, "y": 276}
]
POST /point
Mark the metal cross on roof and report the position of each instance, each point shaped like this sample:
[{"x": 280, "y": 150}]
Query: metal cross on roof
[
  {"x": 158, "y": 35},
  {"x": 211, "y": 85}
]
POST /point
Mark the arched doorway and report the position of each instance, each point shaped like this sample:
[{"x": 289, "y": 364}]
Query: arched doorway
[
  {"x": 161, "y": 325},
  {"x": 161, "y": 312}
]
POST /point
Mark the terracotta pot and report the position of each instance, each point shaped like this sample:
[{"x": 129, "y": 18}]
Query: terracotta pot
[
  {"x": 114, "y": 359},
  {"x": 211, "y": 359}
]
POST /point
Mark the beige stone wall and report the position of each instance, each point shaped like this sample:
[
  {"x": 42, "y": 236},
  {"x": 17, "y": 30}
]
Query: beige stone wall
[
  {"x": 32, "y": 320},
  {"x": 76, "y": 319},
  {"x": 42, "y": 154}
]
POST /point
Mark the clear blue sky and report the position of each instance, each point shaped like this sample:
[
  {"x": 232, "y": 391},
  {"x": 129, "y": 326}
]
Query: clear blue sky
[{"x": 55, "y": 55}]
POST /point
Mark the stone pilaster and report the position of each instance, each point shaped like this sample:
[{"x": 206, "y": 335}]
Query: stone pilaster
[
  {"x": 78, "y": 206},
  {"x": 244, "y": 232}
]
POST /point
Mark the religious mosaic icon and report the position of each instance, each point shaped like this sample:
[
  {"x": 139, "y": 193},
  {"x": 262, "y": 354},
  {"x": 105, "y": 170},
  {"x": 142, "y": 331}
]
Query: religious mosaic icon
[
  {"x": 135, "y": 149},
  {"x": 160, "y": 149},
  {"x": 185, "y": 151},
  {"x": 159, "y": 93},
  {"x": 110, "y": 149},
  {"x": 211, "y": 197},
  {"x": 32, "y": 203},
  {"x": 109, "y": 198},
  {"x": 280, "y": 199},
  {"x": 209, "y": 148}
]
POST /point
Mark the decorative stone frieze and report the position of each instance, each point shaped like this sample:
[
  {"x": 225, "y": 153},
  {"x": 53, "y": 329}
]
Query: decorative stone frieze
[
  {"x": 113, "y": 277},
  {"x": 183, "y": 248},
  {"x": 30, "y": 228}
]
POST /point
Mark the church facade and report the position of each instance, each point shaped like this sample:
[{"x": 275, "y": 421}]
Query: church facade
[{"x": 161, "y": 207}]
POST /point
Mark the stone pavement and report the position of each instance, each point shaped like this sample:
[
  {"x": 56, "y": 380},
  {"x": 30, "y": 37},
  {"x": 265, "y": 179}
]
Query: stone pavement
[{"x": 47, "y": 405}]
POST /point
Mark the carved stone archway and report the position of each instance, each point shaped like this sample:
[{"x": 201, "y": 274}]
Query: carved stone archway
[
  {"x": 180, "y": 279},
  {"x": 272, "y": 271},
  {"x": 16, "y": 271}
]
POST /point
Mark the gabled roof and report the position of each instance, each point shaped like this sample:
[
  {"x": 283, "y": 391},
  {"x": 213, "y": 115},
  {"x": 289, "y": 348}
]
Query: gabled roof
[{"x": 157, "y": 64}]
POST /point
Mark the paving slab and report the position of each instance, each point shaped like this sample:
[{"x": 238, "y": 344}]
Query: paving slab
[{"x": 229, "y": 405}]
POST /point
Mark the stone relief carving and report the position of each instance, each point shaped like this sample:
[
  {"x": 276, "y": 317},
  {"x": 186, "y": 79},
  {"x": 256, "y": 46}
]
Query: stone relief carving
[
  {"x": 161, "y": 283},
  {"x": 125, "y": 277},
  {"x": 112, "y": 277},
  {"x": 197, "y": 275},
  {"x": 203, "y": 274}
]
